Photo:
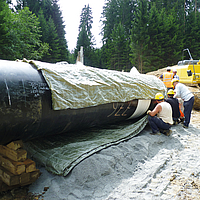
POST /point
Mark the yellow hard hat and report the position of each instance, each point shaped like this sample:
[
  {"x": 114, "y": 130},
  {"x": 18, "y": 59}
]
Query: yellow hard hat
[
  {"x": 170, "y": 91},
  {"x": 159, "y": 96},
  {"x": 174, "y": 80}
]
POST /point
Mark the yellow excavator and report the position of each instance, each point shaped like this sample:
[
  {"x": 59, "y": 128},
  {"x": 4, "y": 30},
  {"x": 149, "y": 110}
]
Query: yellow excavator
[{"x": 188, "y": 70}]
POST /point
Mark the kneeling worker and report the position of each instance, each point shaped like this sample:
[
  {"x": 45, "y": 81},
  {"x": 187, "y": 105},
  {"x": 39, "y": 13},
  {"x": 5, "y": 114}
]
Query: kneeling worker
[
  {"x": 163, "y": 121},
  {"x": 175, "y": 106}
]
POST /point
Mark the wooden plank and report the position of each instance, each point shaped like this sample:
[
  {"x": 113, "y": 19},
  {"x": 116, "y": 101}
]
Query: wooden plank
[
  {"x": 24, "y": 178},
  {"x": 15, "y": 145},
  {"x": 29, "y": 165},
  {"x": 2, "y": 150},
  {"x": 8, "y": 178},
  {"x": 18, "y": 155},
  {"x": 9, "y": 181},
  {"x": 33, "y": 177},
  {"x": 12, "y": 166},
  {"x": 4, "y": 187},
  {"x": 1, "y": 172}
]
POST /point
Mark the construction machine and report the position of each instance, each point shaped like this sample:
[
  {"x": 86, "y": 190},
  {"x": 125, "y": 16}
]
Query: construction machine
[{"x": 188, "y": 70}]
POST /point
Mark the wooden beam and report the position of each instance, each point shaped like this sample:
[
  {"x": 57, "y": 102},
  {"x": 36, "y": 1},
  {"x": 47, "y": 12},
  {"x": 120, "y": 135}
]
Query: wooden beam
[
  {"x": 12, "y": 166},
  {"x": 15, "y": 155}
]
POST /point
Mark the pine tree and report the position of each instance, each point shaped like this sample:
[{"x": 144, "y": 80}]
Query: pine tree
[
  {"x": 5, "y": 14},
  {"x": 192, "y": 33},
  {"x": 117, "y": 15},
  {"x": 110, "y": 18},
  {"x": 60, "y": 29},
  {"x": 24, "y": 33},
  {"x": 44, "y": 26},
  {"x": 172, "y": 41},
  {"x": 53, "y": 41},
  {"x": 155, "y": 52},
  {"x": 118, "y": 49},
  {"x": 50, "y": 9},
  {"x": 140, "y": 37},
  {"x": 85, "y": 37}
]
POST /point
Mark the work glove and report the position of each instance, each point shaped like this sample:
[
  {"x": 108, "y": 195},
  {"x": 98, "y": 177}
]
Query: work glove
[{"x": 148, "y": 112}]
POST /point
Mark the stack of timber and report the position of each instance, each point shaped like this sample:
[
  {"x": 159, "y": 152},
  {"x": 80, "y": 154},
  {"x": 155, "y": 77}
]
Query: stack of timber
[{"x": 16, "y": 169}]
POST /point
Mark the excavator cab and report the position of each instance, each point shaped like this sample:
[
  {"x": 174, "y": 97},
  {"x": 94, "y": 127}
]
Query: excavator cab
[{"x": 188, "y": 70}]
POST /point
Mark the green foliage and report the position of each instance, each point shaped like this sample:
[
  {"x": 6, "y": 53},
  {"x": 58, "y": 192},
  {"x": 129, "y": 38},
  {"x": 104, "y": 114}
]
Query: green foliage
[
  {"x": 118, "y": 49},
  {"x": 85, "y": 37},
  {"x": 157, "y": 46},
  {"x": 52, "y": 27},
  {"x": 21, "y": 37},
  {"x": 140, "y": 37},
  {"x": 86, "y": 20},
  {"x": 192, "y": 34},
  {"x": 117, "y": 17},
  {"x": 156, "y": 36},
  {"x": 25, "y": 32},
  {"x": 147, "y": 34},
  {"x": 72, "y": 58},
  {"x": 53, "y": 41},
  {"x": 157, "y": 31},
  {"x": 5, "y": 14},
  {"x": 60, "y": 30}
]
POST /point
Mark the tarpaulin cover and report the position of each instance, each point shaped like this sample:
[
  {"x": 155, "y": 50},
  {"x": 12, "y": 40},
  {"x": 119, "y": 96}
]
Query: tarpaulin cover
[
  {"x": 79, "y": 86},
  {"x": 60, "y": 153}
]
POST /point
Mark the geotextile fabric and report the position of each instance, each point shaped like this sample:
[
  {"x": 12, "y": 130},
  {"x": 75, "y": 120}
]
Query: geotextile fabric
[
  {"x": 61, "y": 153},
  {"x": 79, "y": 86}
]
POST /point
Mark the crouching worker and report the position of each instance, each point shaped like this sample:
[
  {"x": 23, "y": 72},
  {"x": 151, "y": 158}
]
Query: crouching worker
[
  {"x": 160, "y": 118},
  {"x": 175, "y": 106},
  {"x": 184, "y": 93}
]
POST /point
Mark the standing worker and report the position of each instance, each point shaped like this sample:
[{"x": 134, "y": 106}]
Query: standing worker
[
  {"x": 184, "y": 93},
  {"x": 167, "y": 77},
  {"x": 175, "y": 106},
  {"x": 163, "y": 121},
  {"x": 175, "y": 74}
]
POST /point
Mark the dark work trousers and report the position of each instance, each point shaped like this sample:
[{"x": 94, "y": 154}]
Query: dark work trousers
[
  {"x": 156, "y": 124},
  {"x": 187, "y": 110}
]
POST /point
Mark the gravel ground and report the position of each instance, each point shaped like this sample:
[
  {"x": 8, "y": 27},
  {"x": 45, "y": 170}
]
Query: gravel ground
[{"x": 144, "y": 167}]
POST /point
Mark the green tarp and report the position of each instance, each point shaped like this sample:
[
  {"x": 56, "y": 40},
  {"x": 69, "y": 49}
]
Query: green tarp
[{"x": 60, "y": 153}]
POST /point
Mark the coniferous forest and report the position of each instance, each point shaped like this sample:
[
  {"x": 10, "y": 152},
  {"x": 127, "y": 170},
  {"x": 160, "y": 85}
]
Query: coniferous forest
[{"x": 147, "y": 34}]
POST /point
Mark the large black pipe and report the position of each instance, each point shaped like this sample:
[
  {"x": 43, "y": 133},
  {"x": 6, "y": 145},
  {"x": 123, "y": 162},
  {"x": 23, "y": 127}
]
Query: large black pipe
[{"x": 26, "y": 108}]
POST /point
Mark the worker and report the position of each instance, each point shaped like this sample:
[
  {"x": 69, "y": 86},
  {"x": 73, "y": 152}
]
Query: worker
[
  {"x": 175, "y": 106},
  {"x": 175, "y": 74},
  {"x": 184, "y": 93},
  {"x": 167, "y": 77},
  {"x": 160, "y": 118},
  {"x": 181, "y": 108}
]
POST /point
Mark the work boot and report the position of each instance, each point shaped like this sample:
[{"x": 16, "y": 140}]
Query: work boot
[
  {"x": 157, "y": 133},
  {"x": 182, "y": 120},
  {"x": 167, "y": 132},
  {"x": 175, "y": 123},
  {"x": 184, "y": 126}
]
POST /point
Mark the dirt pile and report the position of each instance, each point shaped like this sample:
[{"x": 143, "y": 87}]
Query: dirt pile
[{"x": 197, "y": 101}]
